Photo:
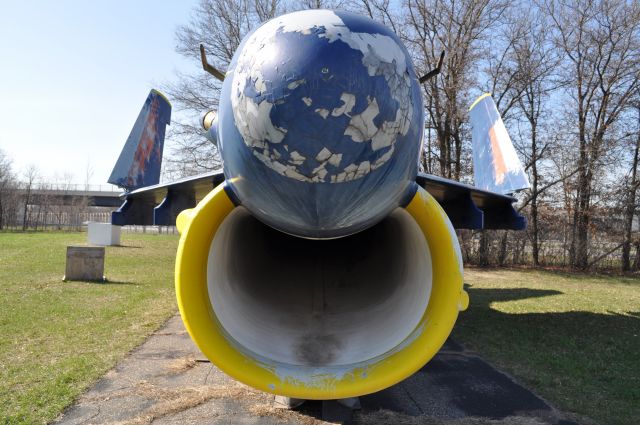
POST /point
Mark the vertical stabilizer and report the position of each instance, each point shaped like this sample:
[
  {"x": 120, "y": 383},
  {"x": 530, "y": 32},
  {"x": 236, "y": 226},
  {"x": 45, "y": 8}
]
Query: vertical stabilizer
[
  {"x": 496, "y": 166},
  {"x": 141, "y": 158}
]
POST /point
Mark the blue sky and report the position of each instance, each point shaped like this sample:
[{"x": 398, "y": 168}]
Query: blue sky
[{"x": 74, "y": 75}]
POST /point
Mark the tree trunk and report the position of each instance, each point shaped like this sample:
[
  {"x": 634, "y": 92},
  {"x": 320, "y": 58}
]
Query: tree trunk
[
  {"x": 26, "y": 208},
  {"x": 579, "y": 242},
  {"x": 502, "y": 258},
  {"x": 535, "y": 249},
  {"x": 636, "y": 260},
  {"x": 582, "y": 234},
  {"x": 483, "y": 249},
  {"x": 630, "y": 208}
]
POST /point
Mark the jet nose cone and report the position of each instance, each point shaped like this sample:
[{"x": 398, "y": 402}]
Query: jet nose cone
[{"x": 322, "y": 113}]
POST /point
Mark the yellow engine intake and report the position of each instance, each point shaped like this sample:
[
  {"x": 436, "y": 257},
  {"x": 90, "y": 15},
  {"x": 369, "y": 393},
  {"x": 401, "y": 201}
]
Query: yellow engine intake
[{"x": 318, "y": 319}]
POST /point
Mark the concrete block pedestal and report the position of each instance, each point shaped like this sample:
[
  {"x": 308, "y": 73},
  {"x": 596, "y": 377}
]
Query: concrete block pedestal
[
  {"x": 85, "y": 263},
  {"x": 105, "y": 234}
]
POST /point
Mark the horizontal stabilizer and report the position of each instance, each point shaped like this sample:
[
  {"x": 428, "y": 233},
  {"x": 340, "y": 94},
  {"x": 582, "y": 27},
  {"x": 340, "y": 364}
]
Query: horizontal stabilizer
[
  {"x": 496, "y": 166},
  {"x": 141, "y": 158}
]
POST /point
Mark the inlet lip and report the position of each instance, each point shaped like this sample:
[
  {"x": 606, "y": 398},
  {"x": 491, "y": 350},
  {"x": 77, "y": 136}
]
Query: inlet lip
[{"x": 198, "y": 228}]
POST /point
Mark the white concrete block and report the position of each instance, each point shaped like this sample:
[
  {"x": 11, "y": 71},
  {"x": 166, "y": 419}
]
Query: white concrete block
[{"x": 104, "y": 234}]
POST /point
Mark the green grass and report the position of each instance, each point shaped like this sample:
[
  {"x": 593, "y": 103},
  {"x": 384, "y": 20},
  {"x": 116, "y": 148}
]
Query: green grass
[
  {"x": 574, "y": 339},
  {"x": 56, "y": 338}
]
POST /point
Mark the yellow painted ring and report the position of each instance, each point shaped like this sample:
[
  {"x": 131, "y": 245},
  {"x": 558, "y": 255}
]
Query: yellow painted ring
[{"x": 198, "y": 227}]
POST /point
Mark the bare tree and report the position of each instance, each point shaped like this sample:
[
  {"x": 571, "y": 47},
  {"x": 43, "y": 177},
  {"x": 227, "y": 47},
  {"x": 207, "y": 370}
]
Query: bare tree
[
  {"x": 30, "y": 175},
  {"x": 562, "y": 73},
  {"x": 631, "y": 187},
  {"x": 507, "y": 76},
  {"x": 601, "y": 46},
  {"x": 58, "y": 211},
  {"x": 503, "y": 69},
  {"x": 220, "y": 25},
  {"x": 386, "y": 12},
  {"x": 88, "y": 174},
  {"x": 320, "y": 4},
  {"x": 7, "y": 179},
  {"x": 459, "y": 28},
  {"x": 536, "y": 62}
]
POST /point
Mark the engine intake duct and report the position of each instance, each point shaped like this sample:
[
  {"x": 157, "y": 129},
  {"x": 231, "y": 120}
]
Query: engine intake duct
[
  {"x": 318, "y": 319},
  {"x": 318, "y": 302}
]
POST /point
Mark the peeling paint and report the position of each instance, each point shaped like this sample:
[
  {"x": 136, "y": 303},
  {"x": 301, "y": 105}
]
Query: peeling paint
[
  {"x": 350, "y": 168},
  {"x": 381, "y": 56},
  {"x": 335, "y": 159},
  {"x": 259, "y": 83},
  {"x": 363, "y": 168},
  {"x": 361, "y": 126},
  {"x": 321, "y": 173},
  {"x": 292, "y": 171},
  {"x": 324, "y": 113},
  {"x": 296, "y": 158},
  {"x": 254, "y": 123},
  {"x": 323, "y": 155},
  {"x": 293, "y": 85},
  {"x": 384, "y": 158},
  {"x": 348, "y": 102}
]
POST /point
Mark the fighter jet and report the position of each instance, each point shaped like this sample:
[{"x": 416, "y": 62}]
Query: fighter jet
[{"x": 318, "y": 263}]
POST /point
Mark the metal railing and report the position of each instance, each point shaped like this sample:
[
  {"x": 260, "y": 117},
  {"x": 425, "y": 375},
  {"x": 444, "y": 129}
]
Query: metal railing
[{"x": 70, "y": 187}]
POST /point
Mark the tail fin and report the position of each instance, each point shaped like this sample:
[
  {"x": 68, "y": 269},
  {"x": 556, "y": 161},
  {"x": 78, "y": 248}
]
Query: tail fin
[
  {"x": 496, "y": 166},
  {"x": 141, "y": 158}
]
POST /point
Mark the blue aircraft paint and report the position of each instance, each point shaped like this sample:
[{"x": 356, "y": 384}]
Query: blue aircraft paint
[
  {"x": 141, "y": 158},
  {"x": 320, "y": 123}
]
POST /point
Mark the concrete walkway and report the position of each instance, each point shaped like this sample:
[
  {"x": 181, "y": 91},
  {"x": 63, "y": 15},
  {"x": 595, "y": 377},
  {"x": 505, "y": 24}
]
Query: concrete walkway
[{"x": 168, "y": 381}]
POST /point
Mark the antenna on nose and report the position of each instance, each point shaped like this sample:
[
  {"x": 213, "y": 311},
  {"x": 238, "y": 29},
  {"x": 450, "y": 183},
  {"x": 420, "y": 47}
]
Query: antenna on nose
[
  {"x": 210, "y": 68},
  {"x": 435, "y": 71}
]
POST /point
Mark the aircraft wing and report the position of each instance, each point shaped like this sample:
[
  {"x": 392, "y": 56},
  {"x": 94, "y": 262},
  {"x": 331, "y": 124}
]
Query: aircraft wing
[
  {"x": 471, "y": 208},
  {"x": 467, "y": 206},
  {"x": 160, "y": 204}
]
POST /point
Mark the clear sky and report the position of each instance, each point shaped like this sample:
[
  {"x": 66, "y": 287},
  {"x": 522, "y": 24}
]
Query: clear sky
[{"x": 74, "y": 75}]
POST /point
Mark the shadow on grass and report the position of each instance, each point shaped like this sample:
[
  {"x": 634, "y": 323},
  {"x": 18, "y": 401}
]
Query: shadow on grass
[
  {"x": 632, "y": 278},
  {"x": 118, "y": 282},
  {"x": 106, "y": 282},
  {"x": 584, "y": 361},
  {"x": 488, "y": 296}
]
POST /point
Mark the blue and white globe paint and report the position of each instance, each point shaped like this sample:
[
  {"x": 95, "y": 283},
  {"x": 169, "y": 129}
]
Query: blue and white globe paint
[{"x": 320, "y": 123}]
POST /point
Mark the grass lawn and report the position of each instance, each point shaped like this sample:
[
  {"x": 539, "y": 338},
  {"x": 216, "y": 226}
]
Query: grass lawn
[
  {"x": 56, "y": 338},
  {"x": 574, "y": 339}
]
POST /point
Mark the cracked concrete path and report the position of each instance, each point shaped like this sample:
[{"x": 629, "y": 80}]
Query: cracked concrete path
[{"x": 168, "y": 381}]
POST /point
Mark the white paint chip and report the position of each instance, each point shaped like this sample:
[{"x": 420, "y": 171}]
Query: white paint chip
[
  {"x": 361, "y": 127},
  {"x": 323, "y": 155},
  {"x": 350, "y": 168},
  {"x": 324, "y": 113},
  {"x": 335, "y": 159},
  {"x": 348, "y": 102},
  {"x": 293, "y": 85},
  {"x": 296, "y": 158}
]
